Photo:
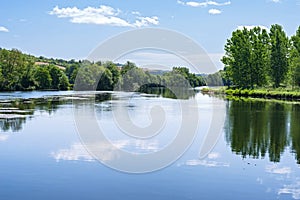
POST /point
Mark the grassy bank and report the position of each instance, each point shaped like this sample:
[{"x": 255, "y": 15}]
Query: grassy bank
[{"x": 267, "y": 93}]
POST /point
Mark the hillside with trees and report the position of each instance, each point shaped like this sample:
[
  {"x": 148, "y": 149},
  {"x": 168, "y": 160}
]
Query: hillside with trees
[{"x": 22, "y": 72}]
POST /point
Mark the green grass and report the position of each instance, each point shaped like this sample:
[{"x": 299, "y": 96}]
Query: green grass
[
  {"x": 218, "y": 90},
  {"x": 267, "y": 93}
]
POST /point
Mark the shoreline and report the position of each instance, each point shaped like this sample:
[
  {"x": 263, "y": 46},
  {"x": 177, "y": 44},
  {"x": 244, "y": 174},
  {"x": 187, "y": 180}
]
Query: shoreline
[{"x": 264, "y": 93}]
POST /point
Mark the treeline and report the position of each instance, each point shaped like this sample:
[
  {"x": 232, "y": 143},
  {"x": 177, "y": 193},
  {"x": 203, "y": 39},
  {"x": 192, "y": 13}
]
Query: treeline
[
  {"x": 260, "y": 58},
  {"x": 107, "y": 76},
  {"x": 21, "y": 72}
]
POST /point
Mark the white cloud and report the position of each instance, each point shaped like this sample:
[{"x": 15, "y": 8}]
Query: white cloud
[
  {"x": 180, "y": 2},
  {"x": 206, "y": 163},
  {"x": 103, "y": 15},
  {"x": 146, "y": 146},
  {"x": 203, "y": 4},
  {"x": 75, "y": 153},
  {"x": 146, "y": 21},
  {"x": 249, "y": 27},
  {"x": 214, "y": 11},
  {"x": 293, "y": 189},
  {"x": 195, "y": 4},
  {"x": 274, "y": 169},
  {"x": 276, "y": 1},
  {"x": 106, "y": 151},
  {"x": 213, "y": 155},
  {"x": 3, "y": 29},
  {"x": 260, "y": 180},
  {"x": 136, "y": 13},
  {"x": 136, "y": 146},
  {"x": 210, "y": 162},
  {"x": 3, "y": 137}
]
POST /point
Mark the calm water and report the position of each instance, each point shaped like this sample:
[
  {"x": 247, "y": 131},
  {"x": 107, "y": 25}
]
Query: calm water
[{"x": 41, "y": 156}]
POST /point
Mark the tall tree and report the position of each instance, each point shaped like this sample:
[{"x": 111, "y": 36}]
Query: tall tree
[
  {"x": 279, "y": 54},
  {"x": 237, "y": 59},
  {"x": 247, "y": 58},
  {"x": 259, "y": 56},
  {"x": 295, "y": 59}
]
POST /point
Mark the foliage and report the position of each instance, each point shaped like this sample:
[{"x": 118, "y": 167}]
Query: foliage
[
  {"x": 215, "y": 79},
  {"x": 279, "y": 54},
  {"x": 42, "y": 78},
  {"x": 12, "y": 64},
  {"x": 257, "y": 57},
  {"x": 19, "y": 71},
  {"x": 246, "y": 57},
  {"x": 181, "y": 77},
  {"x": 295, "y": 59},
  {"x": 264, "y": 93}
]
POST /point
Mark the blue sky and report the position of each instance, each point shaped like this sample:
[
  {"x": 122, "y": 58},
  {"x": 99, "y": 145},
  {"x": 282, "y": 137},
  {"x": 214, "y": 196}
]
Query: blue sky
[{"x": 72, "y": 28}]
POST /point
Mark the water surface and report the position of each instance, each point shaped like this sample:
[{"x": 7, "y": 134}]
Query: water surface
[{"x": 41, "y": 156}]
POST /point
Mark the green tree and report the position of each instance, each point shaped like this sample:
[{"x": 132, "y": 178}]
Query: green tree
[
  {"x": 42, "y": 78},
  {"x": 12, "y": 64},
  {"x": 105, "y": 82},
  {"x": 295, "y": 59},
  {"x": 246, "y": 58},
  {"x": 114, "y": 70},
  {"x": 1, "y": 79},
  {"x": 214, "y": 79},
  {"x": 194, "y": 81},
  {"x": 27, "y": 79},
  {"x": 133, "y": 79},
  {"x": 93, "y": 77},
  {"x": 63, "y": 83},
  {"x": 279, "y": 54},
  {"x": 71, "y": 72},
  {"x": 55, "y": 74},
  {"x": 259, "y": 39},
  {"x": 127, "y": 67},
  {"x": 226, "y": 74},
  {"x": 237, "y": 59}
]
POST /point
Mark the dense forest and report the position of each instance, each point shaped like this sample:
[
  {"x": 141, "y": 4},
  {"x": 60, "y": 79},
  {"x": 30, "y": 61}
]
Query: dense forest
[
  {"x": 258, "y": 57},
  {"x": 21, "y": 72}
]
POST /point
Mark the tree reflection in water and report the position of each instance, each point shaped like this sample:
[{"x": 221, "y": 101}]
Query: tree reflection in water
[
  {"x": 260, "y": 128},
  {"x": 15, "y": 113},
  {"x": 13, "y": 124}
]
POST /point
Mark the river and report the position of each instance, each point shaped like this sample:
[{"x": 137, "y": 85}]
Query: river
[{"x": 43, "y": 152}]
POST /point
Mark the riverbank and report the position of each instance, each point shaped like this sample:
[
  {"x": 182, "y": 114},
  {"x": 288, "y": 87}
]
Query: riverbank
[{"x": 266, "y": 93}]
